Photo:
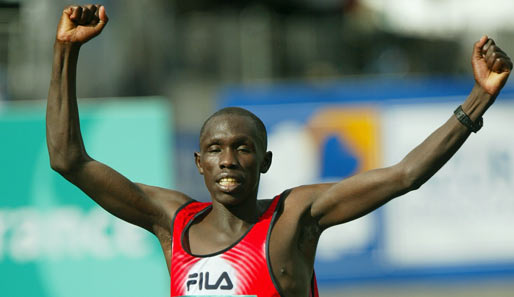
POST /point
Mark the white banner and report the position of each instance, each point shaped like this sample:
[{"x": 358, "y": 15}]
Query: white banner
[{"x": 465, "y": 213}]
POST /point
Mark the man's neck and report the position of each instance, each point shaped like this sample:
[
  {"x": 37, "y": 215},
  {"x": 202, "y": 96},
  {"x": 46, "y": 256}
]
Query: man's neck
[{"x": 234, "y": 218}]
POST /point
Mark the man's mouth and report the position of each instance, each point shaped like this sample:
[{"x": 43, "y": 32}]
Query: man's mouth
[
  {"x": 228, "y": 181},
  {"x": 228, "y": 184}
]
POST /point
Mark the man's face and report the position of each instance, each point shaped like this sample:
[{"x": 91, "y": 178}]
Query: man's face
[{"x": 231, "y": 158}]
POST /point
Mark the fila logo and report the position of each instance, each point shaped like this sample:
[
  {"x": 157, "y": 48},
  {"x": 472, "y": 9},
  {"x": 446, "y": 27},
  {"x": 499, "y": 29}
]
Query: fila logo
[{"x": 201, "y": 281}]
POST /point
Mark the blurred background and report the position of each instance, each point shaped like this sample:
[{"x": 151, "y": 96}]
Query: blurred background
[{"x": 342, "y": 85}]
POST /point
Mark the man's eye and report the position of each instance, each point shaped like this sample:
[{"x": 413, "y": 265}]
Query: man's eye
[
  {"x": 213, "y": 149},
  {"x": 243, "y": 149}
]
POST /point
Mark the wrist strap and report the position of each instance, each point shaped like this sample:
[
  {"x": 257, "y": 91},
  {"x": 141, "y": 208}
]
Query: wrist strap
[{"x": 466, "y": 121}]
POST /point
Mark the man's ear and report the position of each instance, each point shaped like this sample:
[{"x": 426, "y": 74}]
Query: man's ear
[
  {"x": 266, "y": 162},
  {"x": 198, "y": 163}
]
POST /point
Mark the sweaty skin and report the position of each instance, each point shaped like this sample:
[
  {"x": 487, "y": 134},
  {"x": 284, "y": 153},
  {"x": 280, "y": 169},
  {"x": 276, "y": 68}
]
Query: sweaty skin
[{"x": 231, "y": 159}]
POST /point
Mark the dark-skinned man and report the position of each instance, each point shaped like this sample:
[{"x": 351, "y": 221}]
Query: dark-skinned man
[{"x": 238, "y": 245}]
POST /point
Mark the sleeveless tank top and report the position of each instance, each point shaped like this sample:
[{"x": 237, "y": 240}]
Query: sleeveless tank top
[{"x": 242, "y": 269}]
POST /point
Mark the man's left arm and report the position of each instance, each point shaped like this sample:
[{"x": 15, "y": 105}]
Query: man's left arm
[{"x": 362, "y": 193}]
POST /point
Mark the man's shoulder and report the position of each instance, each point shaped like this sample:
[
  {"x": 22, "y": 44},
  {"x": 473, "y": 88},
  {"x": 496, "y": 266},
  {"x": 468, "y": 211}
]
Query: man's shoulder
[
  {"x": 166, "y": 199},
  {"x": 306, "y": 193}
]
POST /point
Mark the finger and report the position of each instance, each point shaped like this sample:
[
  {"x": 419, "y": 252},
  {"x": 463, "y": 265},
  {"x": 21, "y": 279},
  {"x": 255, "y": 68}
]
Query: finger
[
  {"x": 502, "y": 63},
  {"x": 94, "y": 18},
  {"x": 86, "y": 16},
  {"x": 498, "y": 65},
  {"x": 477, "y": 47},
  {"x": 69, "y": 10},
  {"x": 487, "y": 45},
  {"x": 76, "y": 14},
  {"x": 498, "y": 49},
  {"x": 492, "y": 53},
  {"x": 67, "y": 14},
  {"x": 495, "y": 49},
  {"x": 507, "y": 65},
  {"x": 491, "y": 57},
  {"x": 91, "y": 9},
  {"x": 102, "y": 15}
]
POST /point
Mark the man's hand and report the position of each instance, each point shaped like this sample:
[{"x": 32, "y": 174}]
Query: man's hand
[
  {"x": 491, "y": 66},
  {"x": 79, "y": 24}
]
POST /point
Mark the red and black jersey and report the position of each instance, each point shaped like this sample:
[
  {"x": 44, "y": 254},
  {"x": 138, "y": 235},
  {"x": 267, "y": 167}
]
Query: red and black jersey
[{"x": 242, "y": 269}]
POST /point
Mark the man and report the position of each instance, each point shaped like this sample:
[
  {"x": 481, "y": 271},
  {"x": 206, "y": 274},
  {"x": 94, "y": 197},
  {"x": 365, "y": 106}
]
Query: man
[{"x": 238, "y": 244}]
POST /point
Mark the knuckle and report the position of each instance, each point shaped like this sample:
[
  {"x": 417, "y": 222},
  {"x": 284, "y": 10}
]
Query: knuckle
[{"x": 70, "y": 8}]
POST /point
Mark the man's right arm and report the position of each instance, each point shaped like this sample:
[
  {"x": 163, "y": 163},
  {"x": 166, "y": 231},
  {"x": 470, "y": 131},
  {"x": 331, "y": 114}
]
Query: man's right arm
[
  {"x": 149, "y": 207},
  {"x": 357, "y": 195}
]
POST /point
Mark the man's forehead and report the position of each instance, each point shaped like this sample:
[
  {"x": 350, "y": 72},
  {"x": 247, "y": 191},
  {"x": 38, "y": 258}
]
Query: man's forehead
[
  {"x": 230, "y": 123},
  {"x": 224, "y": 125}
]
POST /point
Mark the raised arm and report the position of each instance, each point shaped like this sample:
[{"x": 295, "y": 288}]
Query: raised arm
[
  {"x": 148, "y": 207},
  {"x": 362, "y": 193}
]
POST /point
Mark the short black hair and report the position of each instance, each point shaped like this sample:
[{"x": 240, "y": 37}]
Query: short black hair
[{"x": 261, "y": 129}]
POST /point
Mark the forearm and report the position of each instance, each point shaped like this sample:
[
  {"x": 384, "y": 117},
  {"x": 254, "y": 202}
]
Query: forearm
[
  {"x": 427, "y": 158},
  {"x": 64, "y": 140},
  {"x": 362, "y": 193}
]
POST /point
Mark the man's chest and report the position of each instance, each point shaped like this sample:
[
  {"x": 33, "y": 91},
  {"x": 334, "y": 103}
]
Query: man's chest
[{"x": 292, "y": 247}]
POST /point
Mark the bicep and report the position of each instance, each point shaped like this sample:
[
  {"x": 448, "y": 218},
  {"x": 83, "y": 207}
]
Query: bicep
[
  {"x": 358, "y": 195},
  {"x": 135, "y": 203}
]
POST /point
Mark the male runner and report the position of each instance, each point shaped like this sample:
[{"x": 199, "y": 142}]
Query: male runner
[{"x": 239, "y": 245}]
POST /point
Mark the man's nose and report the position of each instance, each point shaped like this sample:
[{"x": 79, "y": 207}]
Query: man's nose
[{"x": 228, "y": 159}]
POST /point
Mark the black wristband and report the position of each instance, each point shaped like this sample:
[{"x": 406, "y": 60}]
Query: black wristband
[{"x": 466, "y": 121}]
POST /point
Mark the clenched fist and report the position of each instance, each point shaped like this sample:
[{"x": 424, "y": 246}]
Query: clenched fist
[
  {"x": 79, "y": 24},
  {"x": 491, "y": 65}
]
